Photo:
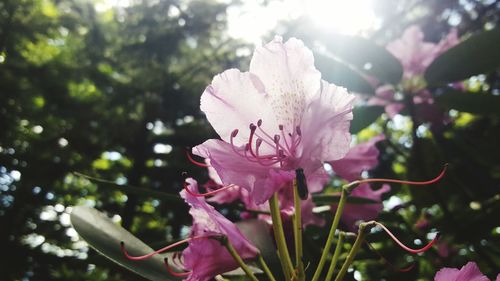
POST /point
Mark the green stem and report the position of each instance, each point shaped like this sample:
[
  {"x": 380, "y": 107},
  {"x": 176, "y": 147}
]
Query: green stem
[
  {"x": 363, "y": 227},
  {"x": 279, "y": 235},
  {"x": 335, "y": 258},
  {"x": 238, "y": 259},
  {"x": 326, "y": 250},
  {"x": 297, "y": 232},
  {"x": 266, "y": 269}
]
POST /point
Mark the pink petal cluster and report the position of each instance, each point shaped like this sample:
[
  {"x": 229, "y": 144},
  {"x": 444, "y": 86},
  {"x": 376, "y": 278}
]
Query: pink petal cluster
[
  {"x": 285, "y": 198},
  {"x": 277, "y": 117},
  {"x": 206, "y": 257},
  {"x": 468, "y": 272},
  {"x": 360, "y": 158},
  {"x": 415, "y": 56}
]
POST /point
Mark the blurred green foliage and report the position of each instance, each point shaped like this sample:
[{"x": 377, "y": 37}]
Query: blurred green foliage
[{"x": 114, "y": 95}]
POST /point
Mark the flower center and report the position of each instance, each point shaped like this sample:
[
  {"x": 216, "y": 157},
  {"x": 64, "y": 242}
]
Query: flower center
[{"x": 281, "y": 148}]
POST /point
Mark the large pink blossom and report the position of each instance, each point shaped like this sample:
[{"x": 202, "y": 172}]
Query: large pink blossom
[
  {"x": 277, "y": 117},
  {"x": 468, "y": 272},
  {"x": 207, "y": 257},
  {"x": 360, "y": 158}
]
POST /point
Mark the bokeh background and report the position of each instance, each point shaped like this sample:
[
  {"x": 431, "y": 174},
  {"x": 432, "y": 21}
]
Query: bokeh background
[{"x": 100, "y": 98}]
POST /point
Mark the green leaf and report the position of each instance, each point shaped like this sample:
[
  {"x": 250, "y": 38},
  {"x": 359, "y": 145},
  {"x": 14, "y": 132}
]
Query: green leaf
[
  {"x": 328, "y": 199},
  {"x": 105, "y": 236},
  {"x": 257, "y": 231},
  {"x": 476, "y": 55},
  {"x": 364, "y": 116},
  {"x": 338, "y": 73},
  {"x": 365, "y": 56},
  {"x": 477, "y": 103}
]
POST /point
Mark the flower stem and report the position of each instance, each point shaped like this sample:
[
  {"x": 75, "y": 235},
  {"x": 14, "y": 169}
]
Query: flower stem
[
  {"x": 266, "y": 269},
  {"x": 363, "y": 228},
  {"x": 279, "y": 235},
  {"x": 335, "y": 258},
  {"x": 225, "y": 241},
  {"x": 297, "y": 232},
  {"x": 346, "y": 189}
]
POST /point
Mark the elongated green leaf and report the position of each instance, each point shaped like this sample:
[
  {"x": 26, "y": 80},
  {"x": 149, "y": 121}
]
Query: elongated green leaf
[
  {"x": 338, "y": 73},
  {"x": 105, "y": 236},
  {"x": 364, "y": 116},
  {"x": 476, "y": 55},
  {"x": 258, "y": 232},
  {"x": 365, "y": 56},
  {"x": 328, "y": 199},
  {"x": 477, "y": 103}
]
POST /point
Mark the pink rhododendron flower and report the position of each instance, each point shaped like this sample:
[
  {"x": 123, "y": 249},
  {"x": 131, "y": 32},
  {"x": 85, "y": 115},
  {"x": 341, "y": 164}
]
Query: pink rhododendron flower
[
  {"x": 468, "y": 272},
  {"x": 415, "y": 56},
  {"x": 361, "y": 157},
  {"x": 274, "y": 119},
  {"x": 206, "y": 258}
]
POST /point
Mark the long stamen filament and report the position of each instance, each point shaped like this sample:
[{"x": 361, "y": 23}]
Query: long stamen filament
[
  {"x": 284, "y": 138},
  {"x": 260, "y": 158},
  {"x": 190, "y": 158},
  {"x": 233, "y": 146},
  {"x": 406, "y": 248},
  {"x": 250, "y": 139},
  {"x": 143, "y": 257},
  {"x": 172, "y": 272},
  {"x": 186, "y": 187},
  {"x": 440, "y": 176}
]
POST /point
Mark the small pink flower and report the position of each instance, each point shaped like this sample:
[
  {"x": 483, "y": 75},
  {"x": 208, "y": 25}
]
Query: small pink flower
[
  {"x": 468, "y": 272},
  {"x": 274, "y": 119},
  {"x": 206, "y": 258},
  {"x": 415, "y": 56},
  {"x": 360, "y": 158}
]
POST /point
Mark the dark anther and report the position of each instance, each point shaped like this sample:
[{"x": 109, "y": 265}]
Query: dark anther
[{"x": 301, "y": 183}]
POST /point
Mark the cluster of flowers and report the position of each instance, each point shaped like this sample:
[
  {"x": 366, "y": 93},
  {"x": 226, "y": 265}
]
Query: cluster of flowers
[{"x": 279, "y": 123}]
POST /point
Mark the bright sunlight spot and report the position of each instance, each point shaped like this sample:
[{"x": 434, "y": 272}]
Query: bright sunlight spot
[
  {"x": 251, "y": 20},
  {"x": 347, "y": 17}
]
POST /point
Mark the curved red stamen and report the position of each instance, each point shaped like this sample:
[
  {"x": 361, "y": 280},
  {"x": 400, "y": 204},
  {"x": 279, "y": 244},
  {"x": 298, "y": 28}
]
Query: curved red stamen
[
  {"x": 406, "y": 248},
  {"x": 250, "y": 138},
  {"x": 186, "y": 187},
  {"x": 143, "y": 257},
  {"x": 284, "y": 138},
  {"x": 388, "y": 263},
  {"x": 440, "y": 176},
  {"x": 190, "y": 158},
  {"x": 172, "y": 272},
  {"x": 176, "y": 259}
]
